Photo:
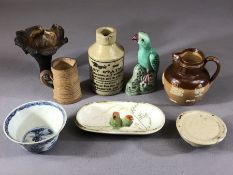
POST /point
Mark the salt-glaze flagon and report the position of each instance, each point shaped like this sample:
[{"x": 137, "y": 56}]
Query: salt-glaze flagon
[{"x": 106, "y": 61}]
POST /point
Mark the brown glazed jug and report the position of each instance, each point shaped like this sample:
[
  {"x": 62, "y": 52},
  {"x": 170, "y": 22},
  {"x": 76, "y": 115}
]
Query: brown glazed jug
[{"x": 186, "y": 80}]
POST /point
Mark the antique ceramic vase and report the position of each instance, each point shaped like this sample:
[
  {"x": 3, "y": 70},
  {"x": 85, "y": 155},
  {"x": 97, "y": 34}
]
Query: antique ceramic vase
[
  {"x": 106, "y": 61},
  {"x": 187, "y": 80},
  {"x": 41, "y": 44}
]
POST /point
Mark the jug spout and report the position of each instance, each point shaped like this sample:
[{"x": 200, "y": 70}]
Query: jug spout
[
  {"x": 190, "y": 58},
  {"x": 176, "y": 60},
  {"x": 176, "y": 57}
]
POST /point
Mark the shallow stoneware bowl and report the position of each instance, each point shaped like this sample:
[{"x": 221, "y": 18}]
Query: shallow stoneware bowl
[
  {"x": 201, "y": 128},
  {"x": 95, "y": 117},
  {"x": 35, "y": 125}
]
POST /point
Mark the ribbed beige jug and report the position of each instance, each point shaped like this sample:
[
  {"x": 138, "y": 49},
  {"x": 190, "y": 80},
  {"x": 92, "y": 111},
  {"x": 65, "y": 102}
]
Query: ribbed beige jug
[{"x": 64, "y": 80}]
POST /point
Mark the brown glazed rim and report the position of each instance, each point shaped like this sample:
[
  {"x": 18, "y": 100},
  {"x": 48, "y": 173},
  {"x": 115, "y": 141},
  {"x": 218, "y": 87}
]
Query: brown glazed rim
[{"x": 193, "y": 50}]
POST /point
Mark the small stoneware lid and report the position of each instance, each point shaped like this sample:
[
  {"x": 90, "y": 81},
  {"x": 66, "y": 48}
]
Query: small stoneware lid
[{"x": 200, "y": 128}]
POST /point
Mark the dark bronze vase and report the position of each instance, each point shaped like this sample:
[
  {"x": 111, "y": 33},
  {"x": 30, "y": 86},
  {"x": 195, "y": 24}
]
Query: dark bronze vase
[
  {"x": 41, "y": 44},
  {"x": 187, "y": 80}
]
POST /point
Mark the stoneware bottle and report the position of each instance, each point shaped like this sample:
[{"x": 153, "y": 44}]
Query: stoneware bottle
[
  {"x": 186, "y": 80},
  {"x": 106, "y": 61}
]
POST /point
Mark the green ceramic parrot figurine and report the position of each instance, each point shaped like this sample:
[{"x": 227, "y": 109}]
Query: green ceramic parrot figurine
[
  {"x": 127, "y": 120},
  {"x": 116, "y": 121},
  {"x": 145, "y": 72}
]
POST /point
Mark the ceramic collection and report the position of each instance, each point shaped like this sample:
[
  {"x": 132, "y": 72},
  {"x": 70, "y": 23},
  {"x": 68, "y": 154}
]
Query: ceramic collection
[{"x": 36, "y": 125}]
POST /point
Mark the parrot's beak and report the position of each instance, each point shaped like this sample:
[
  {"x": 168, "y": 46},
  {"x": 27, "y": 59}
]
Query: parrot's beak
[{"x": 135, "y": 37}]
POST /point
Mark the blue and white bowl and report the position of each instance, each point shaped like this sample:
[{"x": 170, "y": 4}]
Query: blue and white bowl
[{"x": 35, "y": 125}]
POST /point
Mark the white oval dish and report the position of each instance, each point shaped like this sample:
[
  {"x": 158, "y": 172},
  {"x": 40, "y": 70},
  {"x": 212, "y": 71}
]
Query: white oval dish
[
  {"x": 201, "y": 128},
  {"x": 95, "y": 117}
]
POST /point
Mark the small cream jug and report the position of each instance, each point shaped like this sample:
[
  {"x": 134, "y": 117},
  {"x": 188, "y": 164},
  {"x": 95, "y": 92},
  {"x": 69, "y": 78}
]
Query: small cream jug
[
  {"x": 106, "y": 62},
  {"x": 64, "y": 80}
]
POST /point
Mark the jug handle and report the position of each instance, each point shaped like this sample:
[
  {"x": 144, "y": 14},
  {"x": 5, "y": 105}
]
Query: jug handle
[
  {"x": 46, "y": 77},
  {"x": 216, "y": 60}
]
